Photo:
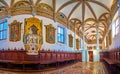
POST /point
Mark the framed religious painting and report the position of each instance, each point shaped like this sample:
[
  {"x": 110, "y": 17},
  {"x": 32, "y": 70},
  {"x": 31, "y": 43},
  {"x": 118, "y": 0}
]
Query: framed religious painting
[
  {"x": 50, "y": 34},
  {"x": 70, "y": 40},
  {"x": 77, "y": 44},
  {"x": 15, "y": 31}
]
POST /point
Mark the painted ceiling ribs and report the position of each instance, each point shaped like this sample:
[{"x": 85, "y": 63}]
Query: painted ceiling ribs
[
  {"x": 73, "y": 9},
  {"x": 65, "y": 4},
  {"x": 99, "y": 3},
  {"x": 92, "y": 11},
  {"x": 83, "y": 11},
  {"x": 12, "y": 2},
  {"x": 37, "y": 2},
  {"x": 54, "y": 8},
  {"x": 5, "y": 3}
]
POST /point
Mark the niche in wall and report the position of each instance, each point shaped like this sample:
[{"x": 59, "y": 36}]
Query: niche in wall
[{"x": 33, "y": 38}]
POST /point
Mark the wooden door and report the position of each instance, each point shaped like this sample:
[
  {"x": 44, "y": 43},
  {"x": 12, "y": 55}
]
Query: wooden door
[{"x": 90, "y": 53}]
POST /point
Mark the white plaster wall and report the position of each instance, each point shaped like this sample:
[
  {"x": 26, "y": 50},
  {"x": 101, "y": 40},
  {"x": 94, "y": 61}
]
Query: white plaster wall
[
  {"x": 115, "y": 42},
  {"x": 116, "y": 39},
  {"x": 45, "y": 21}
]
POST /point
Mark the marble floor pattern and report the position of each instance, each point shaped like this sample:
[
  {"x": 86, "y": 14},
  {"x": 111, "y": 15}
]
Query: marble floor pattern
[{"x": 78, "y": 68}]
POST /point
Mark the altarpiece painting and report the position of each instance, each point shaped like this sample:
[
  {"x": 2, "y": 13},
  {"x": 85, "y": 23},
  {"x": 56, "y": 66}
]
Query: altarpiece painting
[
  {"x": 50, "y": 34},
  {"x": 15, "y": 31},
  {"x": 33, "y": 39}
]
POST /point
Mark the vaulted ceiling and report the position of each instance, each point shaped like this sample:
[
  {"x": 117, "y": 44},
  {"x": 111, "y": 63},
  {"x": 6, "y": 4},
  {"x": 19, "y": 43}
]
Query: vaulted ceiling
[{"x": 72, "y": 13}]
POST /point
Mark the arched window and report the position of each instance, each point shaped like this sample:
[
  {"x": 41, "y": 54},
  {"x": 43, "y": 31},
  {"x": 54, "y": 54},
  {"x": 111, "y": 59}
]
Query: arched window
[
  {"x": 61, "y": 34},
  {"x": 3, "y": 29},
  {"x": 115, "y": 25},
  {"x": 117, "y": 22}
]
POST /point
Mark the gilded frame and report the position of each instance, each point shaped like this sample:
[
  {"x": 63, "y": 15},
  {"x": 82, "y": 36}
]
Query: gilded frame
[
  {"x": 50, "y": 34},
  {"x": 33, "y": 37},
  {"x": 15, "y": 31}
]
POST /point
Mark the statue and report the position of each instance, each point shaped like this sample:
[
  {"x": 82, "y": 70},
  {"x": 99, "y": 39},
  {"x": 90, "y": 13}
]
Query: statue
[{"x": 33, "y": 39}]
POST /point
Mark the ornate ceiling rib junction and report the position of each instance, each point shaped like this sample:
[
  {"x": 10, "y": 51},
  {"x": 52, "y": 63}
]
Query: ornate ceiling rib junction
[{"x": 70, "y": 13}]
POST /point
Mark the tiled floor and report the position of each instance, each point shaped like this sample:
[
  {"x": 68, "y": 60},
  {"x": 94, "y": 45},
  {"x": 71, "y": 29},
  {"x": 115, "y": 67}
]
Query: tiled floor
[{"x": 78, "y": 68}]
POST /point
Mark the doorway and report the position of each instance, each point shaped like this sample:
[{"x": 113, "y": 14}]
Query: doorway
[{"x": 90, "y": 55}]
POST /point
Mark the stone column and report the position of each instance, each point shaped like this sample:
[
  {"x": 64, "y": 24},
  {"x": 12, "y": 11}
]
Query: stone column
[
  {"x": 74, "y": 39},
  {"x": 84, "y": 55},
  {"x": 83, "y": 38},
  {"x": 97, "y": 37},
  {"x": 96, "y": 52}
]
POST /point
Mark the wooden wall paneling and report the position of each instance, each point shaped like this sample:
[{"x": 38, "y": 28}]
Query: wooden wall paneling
[
  {"x": 42, "y": 58},
  {"x": 48, "y": 57},
  {"x": 3, "y": 55},
  {"x": 0, "y": 55},
  {"x": 7, "y": 55},
  {"x": 58, "y": 57},
  {"x": 21, "y": 55},
  {"x": 62, "y": 56},
  {"x": 53, "y": 56},
  {"x": 79, "y": 56},
  {"x": 14, "y": 55}
]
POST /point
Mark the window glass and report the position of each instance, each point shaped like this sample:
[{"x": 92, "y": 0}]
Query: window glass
[
  {"x": 1, "y": 26},
  {"x": 58, "y": 29},
  {"x": 60, "y": 35},
  {"x": 113, "y": 29},
  {"x": 117, "y": 30},
  {"x": 5, "y": 34},
  {"x": 61, "y": 30},
  {"x": 3, "y": 30},
  {"x": 0, "y": 35},
  {"x": 5, "y": 25}
]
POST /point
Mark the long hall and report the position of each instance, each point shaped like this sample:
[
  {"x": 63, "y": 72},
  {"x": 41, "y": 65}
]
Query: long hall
[{"x": 59, "y": 36}]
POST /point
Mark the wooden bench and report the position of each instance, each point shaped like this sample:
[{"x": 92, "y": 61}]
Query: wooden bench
[{"x": 19, "y": 57}]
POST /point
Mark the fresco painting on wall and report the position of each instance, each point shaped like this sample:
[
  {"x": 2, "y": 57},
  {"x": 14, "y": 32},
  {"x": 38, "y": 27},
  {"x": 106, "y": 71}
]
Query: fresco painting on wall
[
  {"x": 50, "y": 34},
  {"x": 15, "y": 31},
  {"x": 77, "y": 44},
  {"x": 33, "y": 39},
  {"x": 70, "y": 40}
]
